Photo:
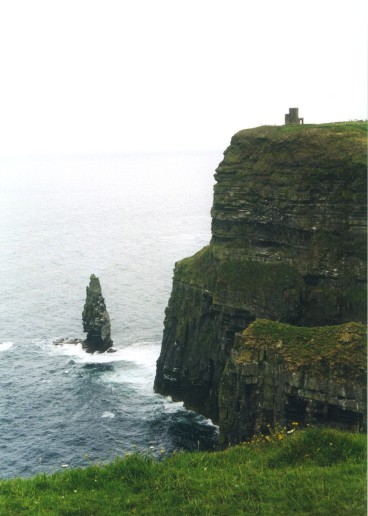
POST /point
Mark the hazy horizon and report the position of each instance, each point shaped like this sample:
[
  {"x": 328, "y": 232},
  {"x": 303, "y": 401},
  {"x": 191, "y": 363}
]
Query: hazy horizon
[{"x": 118, "y": 77}]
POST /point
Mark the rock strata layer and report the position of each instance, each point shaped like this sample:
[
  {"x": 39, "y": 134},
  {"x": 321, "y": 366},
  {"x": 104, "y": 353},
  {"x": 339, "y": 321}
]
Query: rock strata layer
[
  {"x": 278, "y": 373},
  {"x": 288, "y": 244},
  {"x": 96, "y": 320}
]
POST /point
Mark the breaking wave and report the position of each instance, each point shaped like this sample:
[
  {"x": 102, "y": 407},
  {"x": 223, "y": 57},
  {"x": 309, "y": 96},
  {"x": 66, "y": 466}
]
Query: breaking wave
[{"x": 5, "y": 346}]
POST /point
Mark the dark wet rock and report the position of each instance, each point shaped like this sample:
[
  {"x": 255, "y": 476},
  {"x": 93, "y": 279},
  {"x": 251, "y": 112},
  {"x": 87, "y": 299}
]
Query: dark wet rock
[
  {"x": 74, "y": 341},
  {"x": 96, "y": 320},
  {"x": 62, "y": 341},
  {"x": 58, "y": 341}
]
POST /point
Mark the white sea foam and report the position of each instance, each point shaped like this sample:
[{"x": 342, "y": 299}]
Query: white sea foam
[
  {"x": 5, "y": 345},
  {"x": 133, "y": 374},
  {"x": 77, "y": 353},
  {"x": 173, "y": 406},
  {"x": 108, "y": 414},
  {"x": 140, "y": 353},
  {"x": 135, "y": 363},
  {"x": 209, "y": 422}
]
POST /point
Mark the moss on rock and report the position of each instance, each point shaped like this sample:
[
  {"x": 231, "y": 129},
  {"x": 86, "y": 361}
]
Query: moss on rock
[
  {"x": 279, "y": 373},
  {"x": 341, "y": 349}
]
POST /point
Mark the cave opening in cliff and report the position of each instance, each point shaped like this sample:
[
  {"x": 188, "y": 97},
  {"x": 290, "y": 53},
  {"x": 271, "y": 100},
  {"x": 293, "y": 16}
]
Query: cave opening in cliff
[
  {"x": 295, "y": 409},
  {"x": 344, "y": 418}
]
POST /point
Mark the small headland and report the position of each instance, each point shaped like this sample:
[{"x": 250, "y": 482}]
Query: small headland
[{"x": 288, "y": 246}]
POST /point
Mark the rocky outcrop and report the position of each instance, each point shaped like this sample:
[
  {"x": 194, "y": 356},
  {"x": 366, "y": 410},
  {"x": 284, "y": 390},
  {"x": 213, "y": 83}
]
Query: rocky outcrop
[
  {"x": 278, "y": 373},
  {"x": 288, "y": 244},
  {"x": 96, "y": 320}
]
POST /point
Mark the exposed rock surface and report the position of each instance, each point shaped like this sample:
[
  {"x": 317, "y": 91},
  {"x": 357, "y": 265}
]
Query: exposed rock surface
[
  {"x": 96, "y": 320},
  {"x": 278, "y": 373},
  {"x": 296, "y": 196},
  {"x": 288, "y": 244}
]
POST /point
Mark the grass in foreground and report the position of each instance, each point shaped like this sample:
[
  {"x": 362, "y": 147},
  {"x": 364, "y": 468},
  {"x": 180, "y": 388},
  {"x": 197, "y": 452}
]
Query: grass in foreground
[{"x": 319, "y": 472}]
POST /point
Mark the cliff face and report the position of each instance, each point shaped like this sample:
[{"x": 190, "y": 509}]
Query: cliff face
[
  {"x": 297, "y": 196},
  {"x": 288, "y": 244},
  {"x": 278, "y": 373}
]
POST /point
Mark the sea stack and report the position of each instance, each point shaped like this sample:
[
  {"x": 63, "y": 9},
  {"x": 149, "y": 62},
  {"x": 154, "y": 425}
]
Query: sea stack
[{"x": 96, "y": 320}]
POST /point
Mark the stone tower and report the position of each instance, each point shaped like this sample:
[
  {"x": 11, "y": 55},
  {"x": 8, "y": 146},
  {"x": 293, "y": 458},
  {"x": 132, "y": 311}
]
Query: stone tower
[{"x": 292, "y": 118}]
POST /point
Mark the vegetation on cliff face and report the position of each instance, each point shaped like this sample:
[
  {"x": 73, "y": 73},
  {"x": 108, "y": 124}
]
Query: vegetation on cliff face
[
  {"x": 289, "y": 225},
  {"x": 315, "y": 472},
  {"x": 296, "y": 194},
  {"x": 337, "y": 350},
  {"x": 323, "y": 150},
  {"x": 244, "y": 284},
  {"x": 279, "y": 373}
]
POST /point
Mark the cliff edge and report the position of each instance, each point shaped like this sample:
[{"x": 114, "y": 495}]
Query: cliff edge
[
  {"x": 278, "y": 373},
  {"x": 288, "y": 244}
]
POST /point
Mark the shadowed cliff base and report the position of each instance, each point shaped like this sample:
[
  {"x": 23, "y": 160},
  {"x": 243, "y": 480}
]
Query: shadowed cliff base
[{"x": 288, "y": 244}]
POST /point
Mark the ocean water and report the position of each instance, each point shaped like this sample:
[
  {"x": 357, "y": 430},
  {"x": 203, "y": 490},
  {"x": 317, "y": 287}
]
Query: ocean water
[{"x": 126, "y": 219}]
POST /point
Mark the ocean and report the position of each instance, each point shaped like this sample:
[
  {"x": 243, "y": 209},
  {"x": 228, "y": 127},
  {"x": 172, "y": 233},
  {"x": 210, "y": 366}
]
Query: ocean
[{"x": 127, "y": 219}]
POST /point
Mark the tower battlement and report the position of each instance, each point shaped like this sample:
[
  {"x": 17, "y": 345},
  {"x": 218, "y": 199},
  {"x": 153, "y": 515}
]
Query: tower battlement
[{"x": 292, "y": 118}]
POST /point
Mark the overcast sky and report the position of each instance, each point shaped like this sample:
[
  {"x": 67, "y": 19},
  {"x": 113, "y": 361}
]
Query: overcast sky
[{"x": 154, "y": 75}]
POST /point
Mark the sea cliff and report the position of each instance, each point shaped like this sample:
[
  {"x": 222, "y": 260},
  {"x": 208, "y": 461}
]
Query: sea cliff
[
  {"x": 288, "y": 245},
  {"x": 278, "y": 373}
]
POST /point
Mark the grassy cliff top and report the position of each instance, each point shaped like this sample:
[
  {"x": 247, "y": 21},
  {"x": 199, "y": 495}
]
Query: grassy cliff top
[
  {"x": 313, "y": 144},
  {"x": 308, "y": 472},
  {"x": 360, "y": 126},
  {"x": 340, "y": 349}
]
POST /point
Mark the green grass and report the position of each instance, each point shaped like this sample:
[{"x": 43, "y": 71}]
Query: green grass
[
  {"x": 310, "y": 145},
  {"x": 341, "y": 348},
  {"x": 337, "y": 128},
  {"x": 237, "y": 280},
  {"x": 317, "y": 472}
]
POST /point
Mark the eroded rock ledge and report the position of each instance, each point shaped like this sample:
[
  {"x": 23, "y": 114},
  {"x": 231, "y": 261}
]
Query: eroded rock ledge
[
  {"x": 278, "y": 373},
  {"x": 288, "y": 244}
]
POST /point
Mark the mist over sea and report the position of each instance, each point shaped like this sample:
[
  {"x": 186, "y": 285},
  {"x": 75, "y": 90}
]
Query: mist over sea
[{"x": 127, "y": 219}]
